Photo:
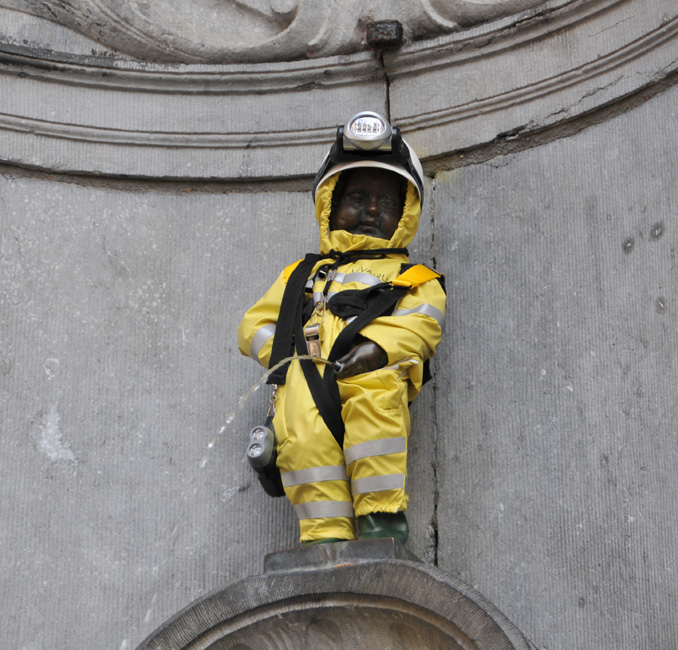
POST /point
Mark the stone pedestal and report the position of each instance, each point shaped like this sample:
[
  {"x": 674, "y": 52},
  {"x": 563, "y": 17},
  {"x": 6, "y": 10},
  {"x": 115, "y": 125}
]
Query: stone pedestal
[{"x": 365, "y": 594}]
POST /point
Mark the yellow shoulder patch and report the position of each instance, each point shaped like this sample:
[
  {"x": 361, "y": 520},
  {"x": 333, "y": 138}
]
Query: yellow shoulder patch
[{"x": 416, "y": 275}]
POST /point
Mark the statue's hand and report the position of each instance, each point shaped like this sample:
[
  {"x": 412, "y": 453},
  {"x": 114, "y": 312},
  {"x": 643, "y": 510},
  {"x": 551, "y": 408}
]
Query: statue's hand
[{"x": 363, "y": 357}]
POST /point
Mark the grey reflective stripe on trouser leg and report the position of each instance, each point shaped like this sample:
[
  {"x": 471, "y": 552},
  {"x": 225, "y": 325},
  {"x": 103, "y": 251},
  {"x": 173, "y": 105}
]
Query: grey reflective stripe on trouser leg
[
  {"x": 427, "y": 309},
  {"x": 380, "y": 447},
  {"x": 263, "y": 334},
  {"x": 324, "y": 509},
  {"x": 377, "y": 483},
  {"x": 314, "y": 475}
]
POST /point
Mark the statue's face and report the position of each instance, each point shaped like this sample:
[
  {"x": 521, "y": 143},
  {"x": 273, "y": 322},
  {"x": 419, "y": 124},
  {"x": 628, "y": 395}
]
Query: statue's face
[{"x": 371, "y": 203}]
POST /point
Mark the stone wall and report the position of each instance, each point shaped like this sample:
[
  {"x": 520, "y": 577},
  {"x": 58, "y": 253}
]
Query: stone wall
[
  {"x": 556, "y": 423},
  {"x": 145, "y": 205}
]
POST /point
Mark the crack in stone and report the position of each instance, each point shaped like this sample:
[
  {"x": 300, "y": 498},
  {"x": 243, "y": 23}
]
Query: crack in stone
[
  {"x": 532, "y": 135},
  {"x": 387, "y": 85},
  {"x": 606, "y": 29},
  {"x": 433, "y": 542}
]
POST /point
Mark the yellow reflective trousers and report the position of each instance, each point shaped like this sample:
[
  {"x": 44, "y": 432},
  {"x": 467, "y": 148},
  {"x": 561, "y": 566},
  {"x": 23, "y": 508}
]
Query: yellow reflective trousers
[{"x": 328, "y": 485}]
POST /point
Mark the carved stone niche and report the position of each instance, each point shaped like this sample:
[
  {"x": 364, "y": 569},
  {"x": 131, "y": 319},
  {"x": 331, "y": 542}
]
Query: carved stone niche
[
  {"x": 249, "y": 31},
  {"x": 70, "y": 105},
  {"x": 348, "y": 595}
]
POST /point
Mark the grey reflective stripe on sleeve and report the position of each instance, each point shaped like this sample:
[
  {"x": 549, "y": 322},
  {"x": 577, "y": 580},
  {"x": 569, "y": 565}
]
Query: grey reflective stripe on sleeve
[
  {"x": 377, "y": 483},
  {"x": 375, "y": 448},
  {"x": 314, "y": 475},
  {"x": 427, "y": 309},
  {"x": 260, "y": 338},
  {"x": 324, "y": 509}
]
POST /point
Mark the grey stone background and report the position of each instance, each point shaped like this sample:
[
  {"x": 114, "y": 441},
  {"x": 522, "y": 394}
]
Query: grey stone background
[
  {"x": 543, "y": 454},
  {"x": 556, "y": 400}
]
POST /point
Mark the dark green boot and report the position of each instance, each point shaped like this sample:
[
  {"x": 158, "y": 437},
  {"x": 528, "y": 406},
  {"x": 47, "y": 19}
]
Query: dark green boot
[{"x": 383, "y": 524}]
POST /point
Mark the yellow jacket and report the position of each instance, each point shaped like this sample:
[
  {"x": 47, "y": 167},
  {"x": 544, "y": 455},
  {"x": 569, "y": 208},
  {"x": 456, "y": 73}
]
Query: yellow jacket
[{"x": 409, "y": 336}]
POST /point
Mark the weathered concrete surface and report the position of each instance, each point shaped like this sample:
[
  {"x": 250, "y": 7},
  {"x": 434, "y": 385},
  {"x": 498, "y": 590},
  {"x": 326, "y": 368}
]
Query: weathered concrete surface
[
  {"x": 556, "y": 406},
  {"x": 244, "y": 31},
  {"x": 501, "y": 80},
  {"x": 119, "y": 365}
]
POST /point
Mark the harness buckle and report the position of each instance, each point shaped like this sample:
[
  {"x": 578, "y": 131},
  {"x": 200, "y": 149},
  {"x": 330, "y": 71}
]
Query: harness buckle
[
  {"x": 312, "y": 336},
  {"x": 271, "y": 409}
]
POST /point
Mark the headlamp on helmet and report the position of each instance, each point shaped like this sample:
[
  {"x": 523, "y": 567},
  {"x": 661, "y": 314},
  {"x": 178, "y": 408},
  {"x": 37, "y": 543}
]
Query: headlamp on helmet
[
  {"x": 368, "y": 140},
  {"x": 367, "y": 131}
]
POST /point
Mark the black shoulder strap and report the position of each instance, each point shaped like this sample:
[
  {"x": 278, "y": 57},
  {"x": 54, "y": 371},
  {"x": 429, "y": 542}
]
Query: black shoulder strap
[
  {"x": 289, "y": 336},
  {"x": 380, "y": 305},
  {"x": 328, "y": 402},
  {"x": 290, "y": 306}
]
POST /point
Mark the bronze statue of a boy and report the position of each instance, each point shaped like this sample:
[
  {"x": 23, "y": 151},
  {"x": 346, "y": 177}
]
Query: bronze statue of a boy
[{"x": 342, "y": 429}]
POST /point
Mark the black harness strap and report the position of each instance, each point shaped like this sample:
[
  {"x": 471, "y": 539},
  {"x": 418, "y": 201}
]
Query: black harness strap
[
  {"x": 381, "y": 305},
  {"x": 290, "y": 311},
  {"x": 328, "y": 402}
]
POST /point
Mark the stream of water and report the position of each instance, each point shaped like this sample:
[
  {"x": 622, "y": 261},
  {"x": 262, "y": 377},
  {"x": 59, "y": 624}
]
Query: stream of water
[{"x": 230, "y": 416}]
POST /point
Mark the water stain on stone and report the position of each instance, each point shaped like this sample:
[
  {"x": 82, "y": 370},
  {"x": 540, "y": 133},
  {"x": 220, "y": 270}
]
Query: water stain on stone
[
  {"x": 657, "y": 231},
  {"x": 628, "y": 245}
]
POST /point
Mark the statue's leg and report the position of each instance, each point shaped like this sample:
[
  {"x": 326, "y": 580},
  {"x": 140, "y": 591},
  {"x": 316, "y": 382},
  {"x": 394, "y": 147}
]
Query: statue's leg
[
  {"x": 375, "y": 449},
  {"x": 311, "y": 464}
]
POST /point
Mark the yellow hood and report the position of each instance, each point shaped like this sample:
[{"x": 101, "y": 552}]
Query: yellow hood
[{"x": 343, "y": 241}]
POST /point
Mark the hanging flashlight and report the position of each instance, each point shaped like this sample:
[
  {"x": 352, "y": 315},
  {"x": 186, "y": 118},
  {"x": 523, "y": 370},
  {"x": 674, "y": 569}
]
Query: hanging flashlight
[
  {"x": 261, "y": 454},
  {"x": 261, "y": 449}
]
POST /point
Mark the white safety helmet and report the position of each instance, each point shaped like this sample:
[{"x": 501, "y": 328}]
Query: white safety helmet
[{"x": 368, "y": 140}]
